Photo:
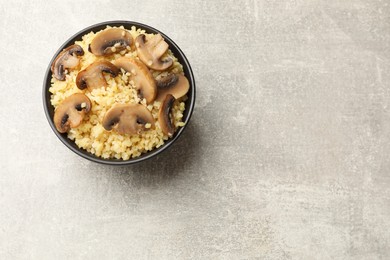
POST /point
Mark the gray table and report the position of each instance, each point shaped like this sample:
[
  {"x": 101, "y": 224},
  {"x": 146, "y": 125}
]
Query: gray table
[{"x": 286, "y": 156}]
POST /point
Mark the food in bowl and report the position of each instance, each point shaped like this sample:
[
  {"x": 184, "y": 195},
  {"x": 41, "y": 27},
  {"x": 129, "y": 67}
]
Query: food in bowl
[{"x": 118, "y": 93}]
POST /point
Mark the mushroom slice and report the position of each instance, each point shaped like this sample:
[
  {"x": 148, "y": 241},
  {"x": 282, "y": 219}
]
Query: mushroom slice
[
  {"x": 128, "y": 118},
  {"x": 110, "y": 41},
  {"x": 175, "y": 84},
  {"x": 70, "y": 113},
  {"x": 92, "y": 77},
  {"x": 150, "y": 51},
  {"x": 67, "y": 59},
  {"x": 143, "y": 79},
  {"x": 165, "y": 117}
]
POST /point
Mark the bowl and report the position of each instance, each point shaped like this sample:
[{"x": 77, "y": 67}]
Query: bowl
[{"x": 190, "y": 102}]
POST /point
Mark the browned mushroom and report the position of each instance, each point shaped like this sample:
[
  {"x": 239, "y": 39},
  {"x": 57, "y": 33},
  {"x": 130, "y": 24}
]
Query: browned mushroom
[
  {"x": 67, "y": 59},
  {"x": 128, "y": 118},
  {"x": 165, "y": 117},
  {"x": 174, "y": 84},
  {"x": 110, "y": 41},
  {"x": 140, "y": 74},
  {"x": 92, "y": 77},
  {"x": 150, "y": 52},
  {"x": 70, "y": 113}
]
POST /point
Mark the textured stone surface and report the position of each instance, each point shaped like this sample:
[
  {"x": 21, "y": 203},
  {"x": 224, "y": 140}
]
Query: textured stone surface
[{"x": 286, "y": 157}]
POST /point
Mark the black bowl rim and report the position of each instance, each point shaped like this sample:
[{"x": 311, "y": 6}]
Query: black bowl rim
[{"x": 89, "y": 156}]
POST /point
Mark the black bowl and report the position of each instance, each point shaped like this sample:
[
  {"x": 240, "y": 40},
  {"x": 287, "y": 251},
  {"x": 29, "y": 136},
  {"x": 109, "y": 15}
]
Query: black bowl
[{"x": 49, "y": 109}]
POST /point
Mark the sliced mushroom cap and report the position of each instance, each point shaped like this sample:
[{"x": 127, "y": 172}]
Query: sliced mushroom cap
[
  {"x": 150, "y": 51},
  {"x": 165, "y": 117},
  {"x": 71, "y": 111},
  {"x": 92, "y": 77},
  {"x": 143, "y": 79},
  {"x": 67, "y": 59},
  {"x": 128, "y": 118},
  {"x": 110, "y": 41},
  {"x": 175, "y": 84}
]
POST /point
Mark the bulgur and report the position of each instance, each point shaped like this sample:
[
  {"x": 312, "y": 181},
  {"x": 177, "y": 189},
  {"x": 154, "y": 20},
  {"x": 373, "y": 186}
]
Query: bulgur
[{"x": 91, "y": 135}]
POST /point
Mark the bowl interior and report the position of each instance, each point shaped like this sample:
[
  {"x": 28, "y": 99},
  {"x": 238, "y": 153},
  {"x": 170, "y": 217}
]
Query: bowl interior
[{"x": 49, "y": 109}]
